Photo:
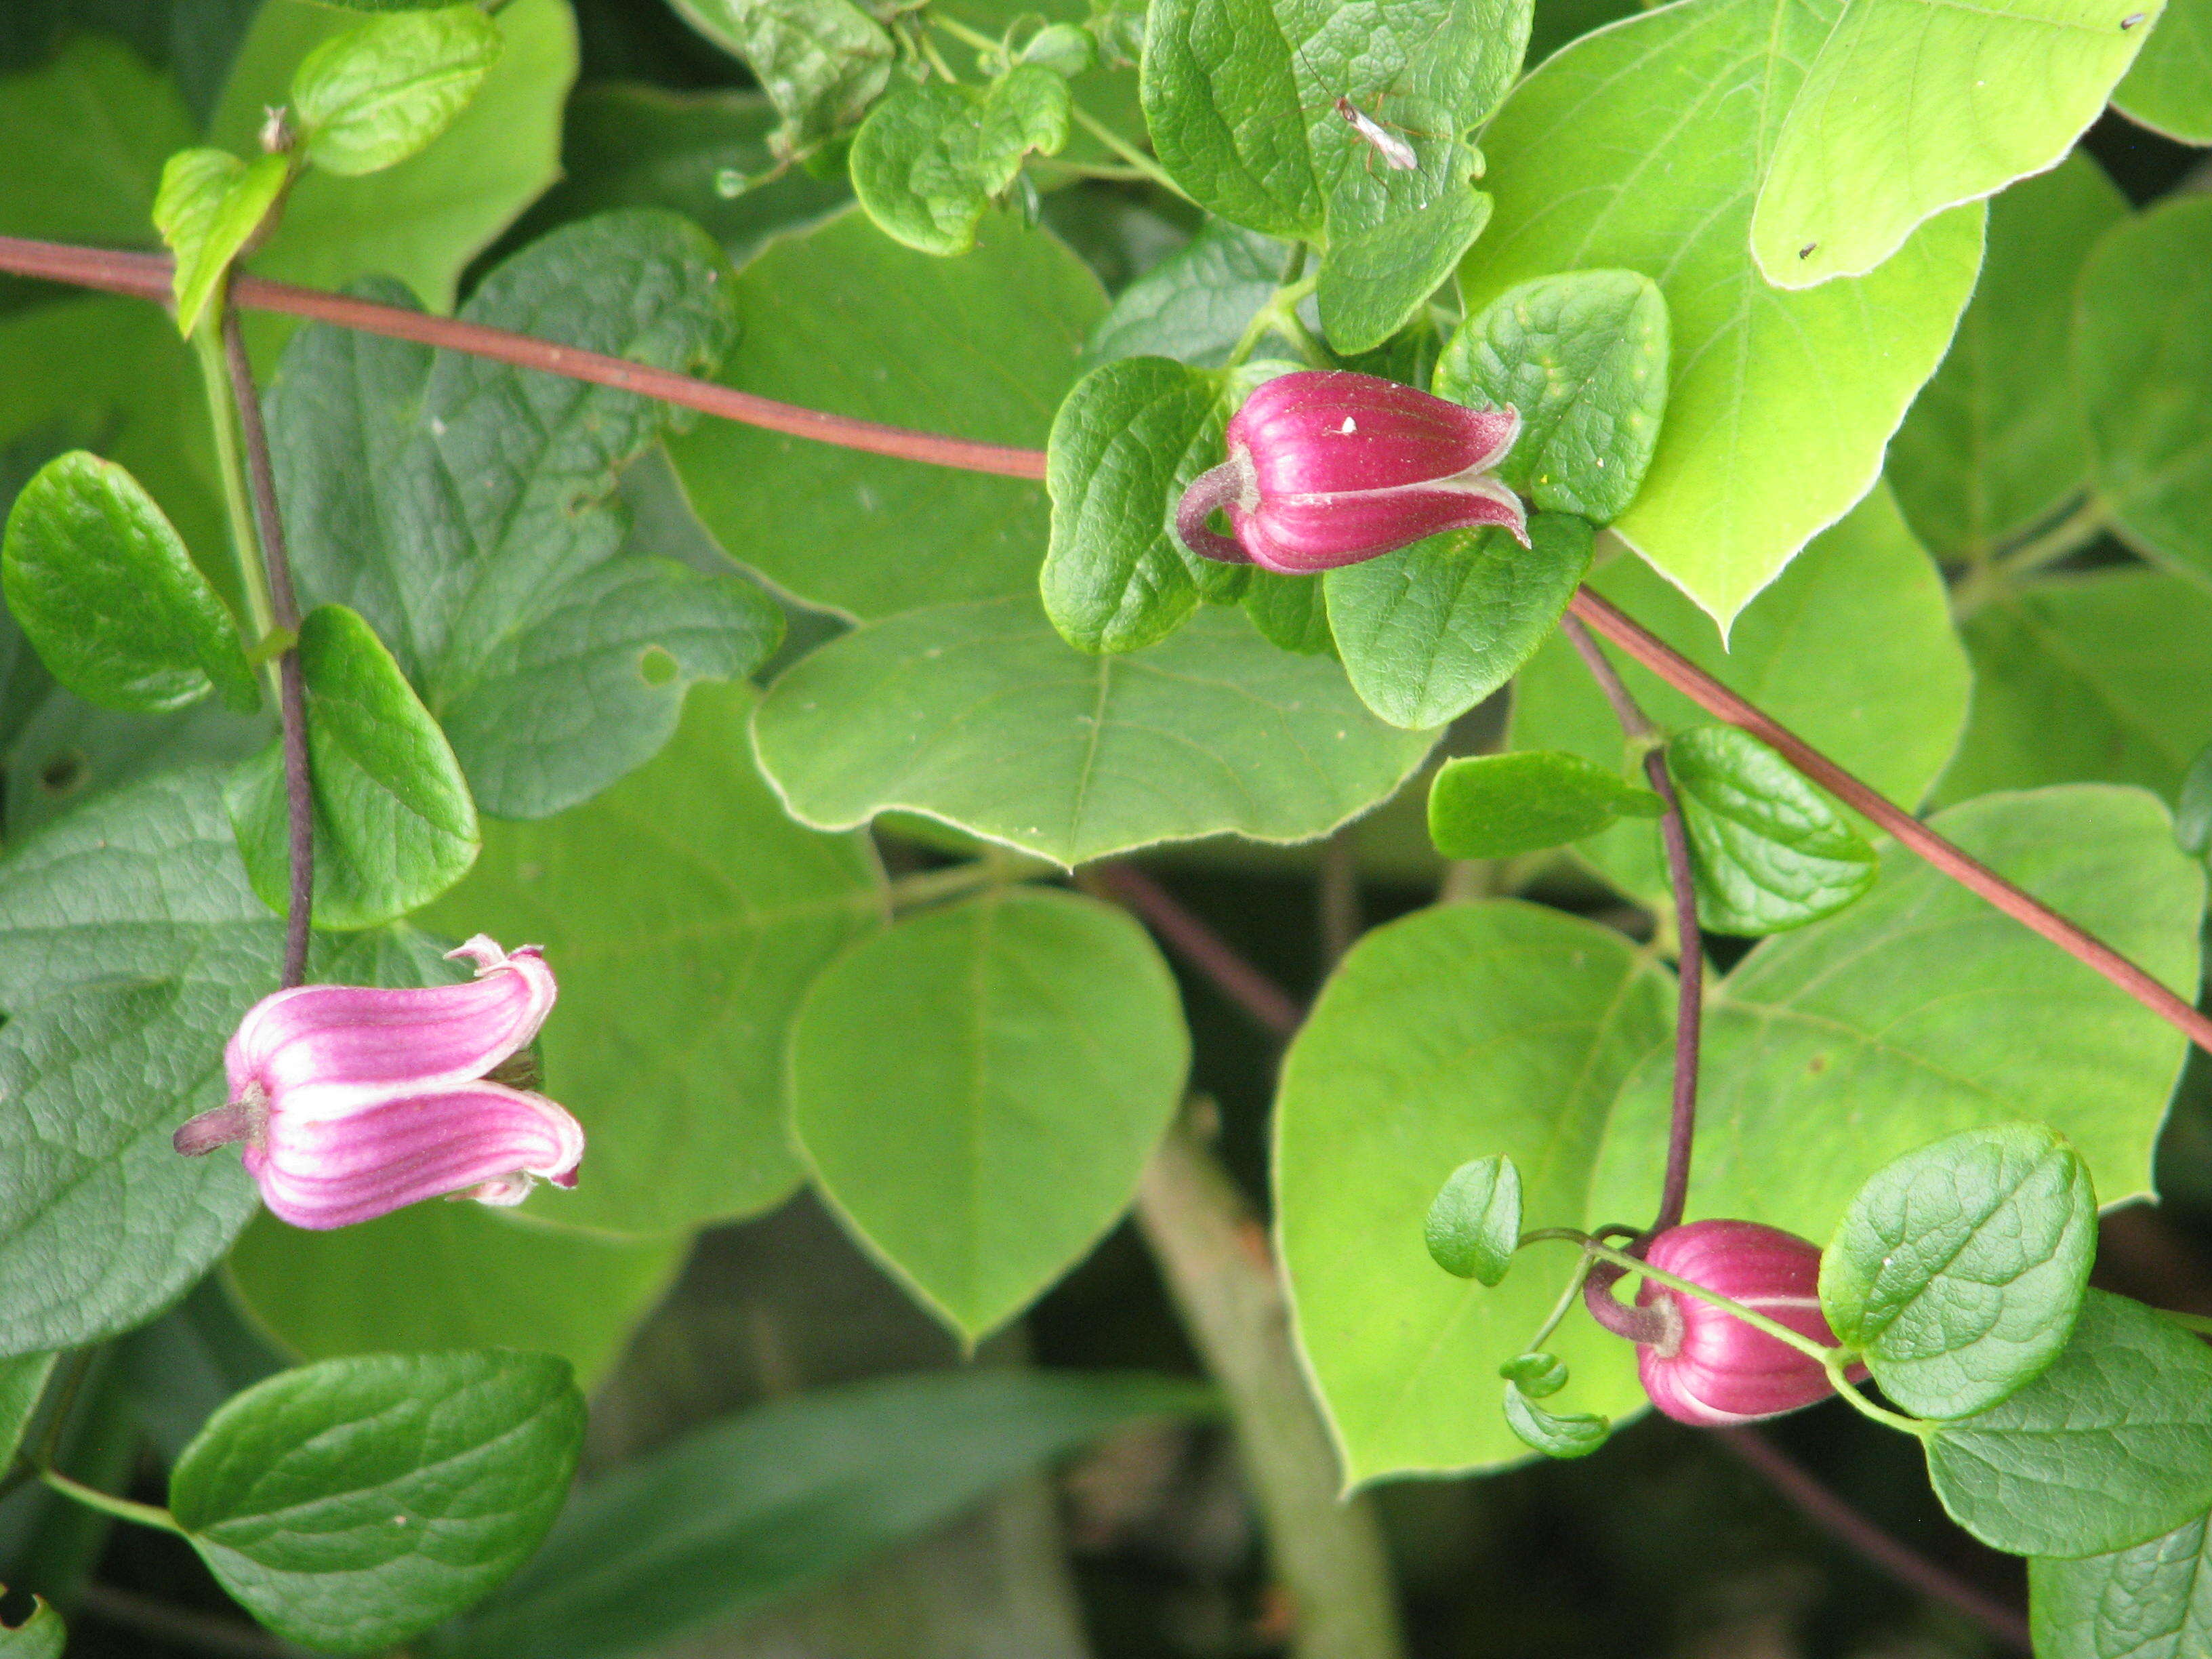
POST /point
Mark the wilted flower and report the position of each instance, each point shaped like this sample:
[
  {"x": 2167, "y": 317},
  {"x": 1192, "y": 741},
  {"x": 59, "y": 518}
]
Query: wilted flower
[
  {"x": 353, "y": 1101},
  {"x": 1711, "y": 1369},
  {"x": 1329, "y": 468}
]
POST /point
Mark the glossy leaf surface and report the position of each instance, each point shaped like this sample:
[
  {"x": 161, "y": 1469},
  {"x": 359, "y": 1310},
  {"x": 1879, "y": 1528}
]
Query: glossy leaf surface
[
  {"x": 1767, "y": 850},
  {"x": 1496, "y": 806},
  {"x": 370, "y": 98},
  {"x": 1474, "y": 1225}
]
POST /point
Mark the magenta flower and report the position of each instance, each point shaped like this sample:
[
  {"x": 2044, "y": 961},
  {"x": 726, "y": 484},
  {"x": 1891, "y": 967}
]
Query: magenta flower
[
  {"x": 1710, "y": 1368},
  {"x": 353, "y": 1101},
  {"x": 1330, "y": 468}
]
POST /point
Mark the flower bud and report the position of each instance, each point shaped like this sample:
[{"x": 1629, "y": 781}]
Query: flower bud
[
  {"x": 1330, "y": 468},
  {"x": 1710, "y": 1368},
  {"x": 353, "y": 1100}
]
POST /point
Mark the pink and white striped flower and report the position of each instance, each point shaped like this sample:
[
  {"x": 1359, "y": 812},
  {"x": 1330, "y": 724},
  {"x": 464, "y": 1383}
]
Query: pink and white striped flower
[
  {"x": 1710, "y": 1368},
  {"x": 352, "y": 1101}
]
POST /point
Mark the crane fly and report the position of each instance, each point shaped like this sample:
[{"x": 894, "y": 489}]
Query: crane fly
[{"x": 1394, "y": 151}]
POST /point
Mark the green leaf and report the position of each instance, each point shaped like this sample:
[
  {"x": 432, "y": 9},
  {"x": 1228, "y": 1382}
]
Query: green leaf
[
  {"x": 1431, "y": 631},
  {"x": 2152, "y": 1601},
  {"x": 1193, "y": 305},
  {"x": 1503, "y": 1024},
  {"x": 2169, "y": 90},
  {"x": 1574, "y": 1436},
  {"x": 2107, "y": 1448},
  {"x": 69, "y": 750},
  {"x": 1852, "y": 649},
  {"x": 843, "y": 318},
  {"x": 2192, "y": 812},
  {"x": 1394, "y": 241},
  {"x": 1767, "y": 850},
  {"x": 22, "y": 1380},
  {"x": 100, "y": 122},
  {"x": 394, "y": 824},
  {"x": 686, "y": 916},
  {"x": 1638, "y": 148},
  {"x": 1124, "y": 445},
  {"x": 354, "y": 1503},
  {"x": 1995, "y": 441},
  {"x": 1913, "y": 107},
  {"x": 103, "y": 588},
  {"x": 1584, "y": 357},
  {"x": 929, "y": 160},
  {"x": 438, "y": 1276},
  {"x": 976, "y": 1091},
  {"x": 981, "y": 716},
  {"x": 2142, "y": 370},
  {"x": 2104, "y": 676},
  {"x": 795, "y": 1493},
  {"x": 1825, "y": 1056},
  {"x": 1958, "y": 1270},
  {"x": 1539, "y": 1376},
  {"x": 1474, "y": 1225},
  {"x": 210, "y": 206},
  {"x": 41, "y": 1636},
  {"x": 821, "y": 62},
  {"x": 463, "y": 509},
  {"x": 1291, "y": 612},
  {"x": 1498, "y": 806},
  {"x": 370, "y": 98}
]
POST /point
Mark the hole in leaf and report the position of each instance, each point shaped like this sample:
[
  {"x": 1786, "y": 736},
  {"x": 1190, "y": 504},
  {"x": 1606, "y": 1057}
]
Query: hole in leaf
[
  {"x": 63, "y": 773},
  {"x": 656, "y": 665}
]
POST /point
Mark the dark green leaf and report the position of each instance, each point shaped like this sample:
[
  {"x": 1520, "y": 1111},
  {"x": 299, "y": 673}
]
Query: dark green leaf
[
  {"x": 109, "y": 597},
  {"x": 2170, "y": 87},
  {"x": 38, "y": 1636},
  {"x": 1394, "y": 239},
  {"x": 2192, "y": 816},
  {"x": 1290, "y": 611},
  {"x": 22, "y": 1379},
  {"x": 1767, "y": 849},
  {"x": 373, "y": 96},
  {"x": 2107, "y": 1448},
  {"x": 1474, "y": 1225},
  {"x": 1194, "y": 304},
  {"x": 177, "y": 1372},
  {"x": 1584, "y": 357},
  {"x": 2153, "y": 1600},
  {"x": 1577, "y": 1435},
  {"x": 211, "y": 204},
  {"x": 394, "y": 824},
  {"x": 790, "y": 1495},
  {"x": 69, "y": 750},
  {"x": 1539, "y": 1376},
  {"x": 1496, "y": 806},
  {"x": 100, "y": 122},
  {"x": 354, "y": 1503},
  {"x": 1958, "y": 1269},
  {"x": 821, "y": 62},
  {"x": 1431, "y": 631},
  {"x": 928, "y": 160}
]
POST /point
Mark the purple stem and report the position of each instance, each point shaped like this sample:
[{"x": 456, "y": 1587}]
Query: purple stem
[
  {"x": 1214, "y": 489},
  {"x": 1200, "y": 946}
]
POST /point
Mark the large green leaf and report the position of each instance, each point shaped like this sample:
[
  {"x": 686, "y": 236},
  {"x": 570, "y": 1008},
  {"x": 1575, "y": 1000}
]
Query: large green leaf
[
  {"x": 2170, "y": 87},
  {"x": 68, "y": 751},
  {"x": 843, "y": 318},
  {"x": 1995, "y": 441},
  {"x": 1852, "y": 649},
  {"x": 1915, "y": 105},
  {"x": 354, "y": 1503},
  {"x": 464, "y": 508},
  {"x": 821, "y": 62},
  {"x": 791, "y": 1494},
  {"x": 977, "y": 1090},
  {"x": 442, "y": 1276},
  {"x": 1459, "y": 1032},
  {"x": 685, "y": 917},
  {"x": 100, "y": 124},
  {"x": 22, "y": 1379},
  {"x": 2152, "y": 1601},
  {"x": 2142, "y": 368},
  {"x": 981, "y": 716},
  {"x": 1640, "y": 147}
]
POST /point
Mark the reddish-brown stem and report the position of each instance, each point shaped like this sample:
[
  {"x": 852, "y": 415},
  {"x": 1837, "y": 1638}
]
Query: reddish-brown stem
[
  {"x": 1898, "y": 1559},
  {"x": 1198, "y": 944}
]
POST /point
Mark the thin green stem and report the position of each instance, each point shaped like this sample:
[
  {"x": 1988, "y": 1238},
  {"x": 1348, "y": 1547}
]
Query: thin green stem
[
  {"x": 1278, "y": 316},
  {"x": 1128, "y": 151},
  {"x": 1568, "y": 1297},
  {"x": 2070, "y": 535},
  {"x": 121, "y": 1508},
  {"x": 976, "y": 38},
  {"x": 927, "y": 886},
  {"x": 237, "y": 498}
]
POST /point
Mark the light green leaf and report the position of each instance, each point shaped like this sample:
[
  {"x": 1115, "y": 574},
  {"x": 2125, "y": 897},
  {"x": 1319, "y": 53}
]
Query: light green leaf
[
  {"x": 2143, "y": 371},
  {"x": 1584, "y": 357},
  {"x": 1852, "y": 649},
  {"x": 2152, "y": 1601},
  {"x": 928, "y": 160},
  {"x": 759, "y": 1506},
  {"x": 437, "y": 1276},
  {"x": 685, "y": 915},
  {"x": 394, "y": 824},
  {"x": 843, "y": 318},
  {"x": 22, "y": 1380},
  {"x": 1767, "y": 850},
  {"x": 1498, "y": 806},
  {"x": 1193, "y": 305},
  {"x": 1474, "y": 1225},
  {"x": 1291, "y": 612},
  {"x": 1639, "y": 147},
  {"x": 1431, "y": 631},
  {"x": 100, "y": 122},
  {"x": 977, "y": 1090},
  {"x": 210, "y": 206},
  {"x": 354, "y": 1503},
  {"x": 1500, "y": 1025},
  {"x": 1958, "y": 1270},
  {"x": 2169, "y": 90},
  {"x": 41, "y": 1636},
  {"x": 2107, "y": 1448},
  {"x": 1394, "y": 241},
  {"x": 103, "y": 588},
  {"x": 1916, "y": 105},
  {"x": 370, "y": 98},
  {"x": 981, "y": 716},
  {"x": 2192, "y": 810},
  {"x": 1995, "y": 441},
  {"x": 1577, "y": 1435},
  {"x": 821, "y": 62}
]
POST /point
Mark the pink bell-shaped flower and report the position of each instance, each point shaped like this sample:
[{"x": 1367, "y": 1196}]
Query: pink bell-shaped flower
[
  {"x": 353, "y": 1101},
  {"x": 1710, "y": 1368},
  {"x": 1328, "y": 468}
]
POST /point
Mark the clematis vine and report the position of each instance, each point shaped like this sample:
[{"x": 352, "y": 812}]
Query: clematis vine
[
  {"x": 1328, "y": 468},
  {"x": 351, "y": 1101}
]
